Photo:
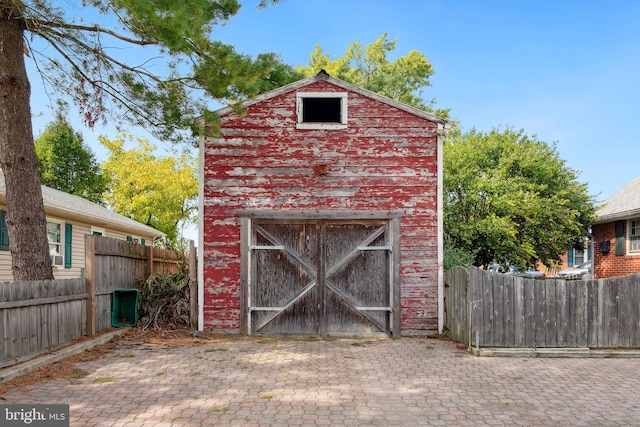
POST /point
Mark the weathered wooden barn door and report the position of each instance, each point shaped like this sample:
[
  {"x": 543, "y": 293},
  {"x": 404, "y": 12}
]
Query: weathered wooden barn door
[{"x": 320, "y": 277}]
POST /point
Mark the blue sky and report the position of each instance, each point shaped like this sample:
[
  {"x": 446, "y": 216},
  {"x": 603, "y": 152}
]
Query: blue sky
[{"x": 565, "y": 71}]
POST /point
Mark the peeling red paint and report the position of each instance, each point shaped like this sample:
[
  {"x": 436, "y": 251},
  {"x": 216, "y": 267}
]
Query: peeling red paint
[{"x": 386, "y": 159}]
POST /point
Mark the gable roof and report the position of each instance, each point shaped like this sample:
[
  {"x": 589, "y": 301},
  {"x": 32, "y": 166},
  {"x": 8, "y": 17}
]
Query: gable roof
[
  {"x": 323, "y": 76},
  {"x": 68, "y": 206},
  {"x": 624, "y": 203}
]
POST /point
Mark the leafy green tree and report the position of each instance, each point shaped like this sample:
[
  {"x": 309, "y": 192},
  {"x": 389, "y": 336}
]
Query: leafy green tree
[
  {"x": 456, "y": 257},
  {"x": 510, "y": 197},
  {"x": 159, "y": 191},
  {"x": 150, "y": 63},
  {"x": 66, "y": 163},
  {"x": 368, "y": 66}
]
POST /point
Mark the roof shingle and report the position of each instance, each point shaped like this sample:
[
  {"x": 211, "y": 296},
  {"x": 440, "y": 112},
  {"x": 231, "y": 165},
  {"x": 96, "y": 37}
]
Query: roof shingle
[
  {"x": 59, "y": 203},
  {"x": 624, "y": 203}
]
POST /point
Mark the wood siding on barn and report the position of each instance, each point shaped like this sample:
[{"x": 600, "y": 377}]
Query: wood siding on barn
[{"x": 385, "y": 160}]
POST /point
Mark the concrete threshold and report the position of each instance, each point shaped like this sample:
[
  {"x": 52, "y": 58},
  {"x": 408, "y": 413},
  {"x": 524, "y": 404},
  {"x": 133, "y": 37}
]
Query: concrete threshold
[{"x": 580, "y": 352}]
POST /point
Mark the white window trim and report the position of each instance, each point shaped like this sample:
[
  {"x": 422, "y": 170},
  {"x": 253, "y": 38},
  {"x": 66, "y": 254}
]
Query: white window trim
[
  {"x": 628, "y": 240},
  {"x": 61, "y": 244},
  {"x": 343, "y": 110},
  {"x": 98, "y": 230}
]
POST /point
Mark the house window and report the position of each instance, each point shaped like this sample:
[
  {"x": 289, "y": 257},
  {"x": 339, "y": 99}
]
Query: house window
[
  {"x": 136, "y": 239},
  {"x": 634, "y": 236},
  {"x": 321, "y": 110},
  {"x": 54, "y": 235},
  {"x": 97, "y": 231},
  {"x": 577, "y": 256}
]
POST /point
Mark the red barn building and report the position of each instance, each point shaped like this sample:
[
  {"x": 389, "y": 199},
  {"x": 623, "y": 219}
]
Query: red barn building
[{"x": 321, "y": 213}]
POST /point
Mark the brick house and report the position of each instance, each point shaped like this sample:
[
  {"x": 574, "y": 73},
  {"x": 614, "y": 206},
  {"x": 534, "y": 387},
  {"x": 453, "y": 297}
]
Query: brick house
[
  {"x": 321, "y": 213},
  {"x": 616, "y": 233}
]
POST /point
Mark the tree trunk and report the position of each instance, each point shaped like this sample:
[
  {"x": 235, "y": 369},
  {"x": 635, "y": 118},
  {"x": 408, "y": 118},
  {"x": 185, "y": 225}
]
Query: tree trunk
[{"x": 26, "y": 221}]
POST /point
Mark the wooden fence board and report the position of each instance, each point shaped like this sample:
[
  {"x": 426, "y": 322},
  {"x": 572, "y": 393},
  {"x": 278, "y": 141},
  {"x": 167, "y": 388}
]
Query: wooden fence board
[
  {"x": 457, "y": 280},
  {"x": 530, "y": 319},
  {"x": 582, "y": 315},
  {"x": 458, "y": 297},
  {"x": 600, "y": 315},
  {"x": 595, "y": 314},
  {"x": 624, "y": 313},
  {"x": 509, "y": 332},
  {"x": 634, "y": 315},
  {"x": 474, "y": 307},
  {"x": 551, "y": 314},
  {"x": 486, "y": 286},
  {"x": 515, "y": 312},
  {"x": 519, "y": 313},
  {"x": 541, "y": 317},
  {"x": 571, "y": 337},
  {"x": 611, "y": 307},
  {"x": 562, "y": 313},
  {"x": 498, "y": 312},
  {"x": 461, "y": 293}
]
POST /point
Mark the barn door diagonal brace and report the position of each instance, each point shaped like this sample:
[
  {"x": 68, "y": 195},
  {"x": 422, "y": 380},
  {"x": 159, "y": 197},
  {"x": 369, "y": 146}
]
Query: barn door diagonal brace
[
  {"x": 348, "y": 257},
  {"x": 362, "y": 246},
  {"x": 279, "y": 310},
  {"x": 295, "y": 257},
  {"x": 362, "y": 310},
  {"x": 287, "y": 251}
]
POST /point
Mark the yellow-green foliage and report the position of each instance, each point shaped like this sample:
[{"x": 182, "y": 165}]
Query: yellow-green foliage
[
  {"x": 159, "y": 191},
  {"x": 368, "y": 66}
]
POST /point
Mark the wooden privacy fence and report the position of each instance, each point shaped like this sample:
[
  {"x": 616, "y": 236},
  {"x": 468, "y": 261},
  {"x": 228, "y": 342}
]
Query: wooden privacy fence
[
  {"x": 112, "y": 264},
  {"x": 486, "y": 309},
  {"x": 38, "y": 316}
]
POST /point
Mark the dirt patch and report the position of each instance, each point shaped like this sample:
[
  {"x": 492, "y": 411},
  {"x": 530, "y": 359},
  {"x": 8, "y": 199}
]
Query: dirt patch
[{"x": 66, "y": 368}]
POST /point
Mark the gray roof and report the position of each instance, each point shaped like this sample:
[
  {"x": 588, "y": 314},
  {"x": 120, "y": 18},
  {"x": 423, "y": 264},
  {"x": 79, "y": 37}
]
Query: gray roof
[
  {"x": 68, "y": 206},
  {"x": 322, "y": 75},
  {"x": 625, "y": 203}
]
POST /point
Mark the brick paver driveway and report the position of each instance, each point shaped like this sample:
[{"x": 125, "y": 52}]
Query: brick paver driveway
[{"x": 408, "y": 382}]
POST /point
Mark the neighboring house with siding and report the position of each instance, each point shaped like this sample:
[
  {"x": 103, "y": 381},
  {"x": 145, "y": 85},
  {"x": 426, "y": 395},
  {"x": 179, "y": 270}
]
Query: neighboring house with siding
[
  {"x": 69, "y": 219},
  {"x": 321, "y": 213},
  {"x": 616, "y": 233}
]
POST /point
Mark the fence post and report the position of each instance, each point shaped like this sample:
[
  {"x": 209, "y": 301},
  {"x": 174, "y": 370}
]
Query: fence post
[
  {"x": 90, "y": 280},
  {"x": 193, "y": 286},
  {"x": 150, "y": 255}
]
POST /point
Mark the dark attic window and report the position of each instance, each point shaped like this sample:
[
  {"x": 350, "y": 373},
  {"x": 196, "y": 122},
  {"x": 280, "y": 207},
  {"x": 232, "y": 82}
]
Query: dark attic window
[{"x": 322, "y": 110}]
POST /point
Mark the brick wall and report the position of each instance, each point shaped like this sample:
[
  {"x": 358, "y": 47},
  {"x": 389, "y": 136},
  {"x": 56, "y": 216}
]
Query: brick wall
[{"x": 609, "y": 264}]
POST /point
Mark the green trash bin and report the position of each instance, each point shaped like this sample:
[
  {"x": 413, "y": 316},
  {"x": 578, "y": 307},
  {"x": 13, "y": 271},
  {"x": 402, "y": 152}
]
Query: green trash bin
[{"x": 124, "y": 308}]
